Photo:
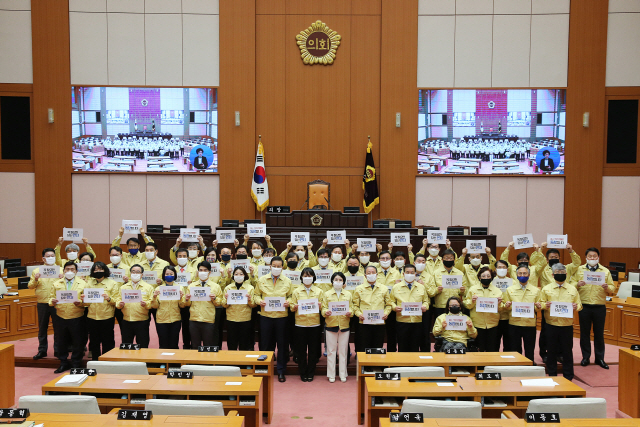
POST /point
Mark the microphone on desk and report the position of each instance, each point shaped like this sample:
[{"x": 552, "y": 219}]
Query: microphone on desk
[
  {"x": 330, "y": 208},
  {"x": 303, "y": 203}
]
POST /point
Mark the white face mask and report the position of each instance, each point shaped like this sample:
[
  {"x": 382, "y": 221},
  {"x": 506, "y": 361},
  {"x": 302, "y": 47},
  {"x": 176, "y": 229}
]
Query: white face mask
[
  {"x": 337, "y": 285},
  {"x": 323, "y": 262},
  {"x": 385, "y": 264},
  {"x": 475, "y": 261},
  {"x": 434, "y": 252},
  {"x": 193, "y": 254},
  {"x": 501, "y": 272},
  {"x": 409, "y": 278},
  {"x": 593, "y": 262},
  {"x": 307, "y": 280},
  {"x": 69, "y": 275},
  {"x": 300, "y": 254},
  {"x": 203, "y": 275},
  {"x": 267, "y": 260},
  {"x": 136, "y": 277},
  {"x": 115, "y": 260},
  {"x": 238, "y": 279},
  {"x": 420, "y": 267},
  {"x": 50, "y": 260},
  {"x": 150, "y": 255},
  {"x": 372, "y": 278},
  {"x": 182, "y": 262},
  {"x": 399, "y": 263},
  {"x": 365, "y": 259},
  {"x": 275, "y": 271},
  {"x": 336, "y": 257},
  {"x": 257, "y": 253},
  {"x": 72, "y": 256}
]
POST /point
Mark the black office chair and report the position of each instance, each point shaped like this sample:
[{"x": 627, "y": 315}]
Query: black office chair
[{"x": 471, "y": 345}]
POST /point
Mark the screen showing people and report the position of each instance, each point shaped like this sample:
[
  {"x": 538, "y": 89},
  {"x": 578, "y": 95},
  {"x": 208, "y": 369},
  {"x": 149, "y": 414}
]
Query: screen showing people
[
  {"x": 127, "y": 129},
  {"x": 491, "y": 131}
]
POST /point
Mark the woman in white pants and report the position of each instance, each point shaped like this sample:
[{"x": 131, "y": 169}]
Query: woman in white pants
[{"x": 337, "y": 327}]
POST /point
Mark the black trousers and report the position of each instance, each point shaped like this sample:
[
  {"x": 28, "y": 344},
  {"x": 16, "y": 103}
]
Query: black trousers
[
  {"x": 185, "y": 314},
  {"x": 592, "y": 314},
  {"x": 169, "y": 334},
  {"x": 102, "y": 337},
  {"x": 409, "y": 336},
  {"x": 307, "y": 343},
  {"x": 202, "y": 333},
  {"x": 542, "y": 339},
  {"x": 520, "y": 336},
  {"x": 240, "y": 335},
  {"x": 560, "y": 343},
  {"x": 221, "y": 315},
  {"x": 273, "y": 331},
  {"x": 390, "y": 325},
  {"x": 503, "y": 335},
  {"x": 425, "y": 334},
  {"x": 487, "y": 339},
  {"x": 45, "y": 312},
  {"x": 138, "y": 330},
  {"x": 70, "y": 331},
  {"x": 371, "y": 336}
]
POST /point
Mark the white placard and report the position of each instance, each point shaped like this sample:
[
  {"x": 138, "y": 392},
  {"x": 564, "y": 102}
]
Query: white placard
[
  {"x": 437, "y": 236},
  {"x": 131, "y": 226},
  {"x": 523, "y": 241},
  {"x": 561, "y": 309},
  {"x": 366, "y": 245},
  {"x": 557, "y": 241},
  {"x": 597, "y": 278},
  {"x": 72, "y": 234},
  {"x": 451, "y": 281},
  {"x": 308, "y": 306},
  {"x": 183, "y": 278},
  {"x": 456, "y": 323},
  {"x": 338, "y": 308},
  {"x": 200, "y": 293},
  {"x": 225, "y": 236},
  {"x": 117, "y": 274},
  {"x": 131, "y": 295},
  {"x": 274, "y": 304},
  {"x": 502, "y": 284},
  {"x": 487, "y": 305},
  {"x": 93, "y": 295},
  {"x": 400, "y": 239},
  {"x": 523, "y": 309},
  {"x": 150, "y": 277},
  {"x": 411, "y": 309},
  {"x": 373, "y": 317},
  {"x": 189, "y": 234},
  {"x": 215, "y": 270},
  {"x": 336, "y": 237},
  {"x": 301, "y": 239},
  {"x": 66, "y": 297},
  {"x": 84, "y": 268},
  {"x": 237, "y": 297},
  {"x": 293, "y": 276},
  {"x": 257, "y": 230},
  {"x": 324, "y": 276},
  {"x": 353, "y": 282},
  {"x": 49, "y": 271},
  {"x": 244, "y": 263},
  {"x": 476, "y": 246},
  {"x": 169, "y": 293},
  {"x": 263, "y": 270}
]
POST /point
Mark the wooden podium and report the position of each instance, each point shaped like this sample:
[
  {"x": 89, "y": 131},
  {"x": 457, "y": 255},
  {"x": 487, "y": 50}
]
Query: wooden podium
[
  {"x": 328, "y": 219},
  {"x": 629, "y": 382}
]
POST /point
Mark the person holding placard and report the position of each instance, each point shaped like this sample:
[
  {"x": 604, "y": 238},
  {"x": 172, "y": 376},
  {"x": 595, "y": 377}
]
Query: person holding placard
[
  {"x": 101, "y": 315},
  {"x": 434, "y": 260},
  {"x": 307, "y": 332},
  {"x": 43, "y": 288},
  {"x": 365, "y": 257},
  {"x": 167, "y": 302},
  {"x": 238, "y": 302},
  {"x": 388, "y": 276},
  {"x": 593, "y": 281},
  {"x": 424, "y": 278},
  {"x": 454, "y": 338},
  {"x": 559, "y": 318},
  {"x": 135, "y": 315},
  {"x": 522, "y": 320},
  {"x": 409, "y": 316},
  {"x": 440, "y": 273},
  {"x": 152, "y": 261},
  {"x": 503, "y": 282},
  {"x": 472, "y": 269},
  {"x": 371, "y": 295},
  {"x": 72, "y": 251},
  {"x": 193, "y": 252},
  {"x": 273, "y": 324},
  {"x": 257, "y": 248},
  {"x": 324, "y": 261},
  {"x": 485, "y": 314},
  {"x": 523, "y": 258},
  {"x": 202, "y": 309},
  {"x": 133, "y": 244},
  {"x": 71, "y": 323},
  {"x": 338, "y": 327},
  {"x": 301, "y": 252},
  {"x": 337, "y": 262}
]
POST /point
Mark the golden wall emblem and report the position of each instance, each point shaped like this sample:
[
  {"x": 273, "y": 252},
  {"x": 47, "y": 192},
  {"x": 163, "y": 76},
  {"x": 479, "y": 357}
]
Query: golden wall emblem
[
  {"x": 316, "y": 220},
  {"x": 318, "y": 44}
]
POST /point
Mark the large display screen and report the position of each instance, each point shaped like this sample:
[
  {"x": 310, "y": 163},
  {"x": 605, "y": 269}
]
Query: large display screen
[
  {"x": 491, "y": 131},
  {"x": 144, "y": 129}
]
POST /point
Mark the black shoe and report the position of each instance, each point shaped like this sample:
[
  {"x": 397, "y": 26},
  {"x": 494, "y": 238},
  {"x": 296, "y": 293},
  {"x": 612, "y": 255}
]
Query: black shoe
[
  {"x": 63, "y": 367},
  {"x": 40, "y": 355},
  {"x": 544, "y": 359},
  {"x": 602, "y": 364},
  {"x": 303, "y": 378},
  {"x": 584, "y": 362},
  {"x": 282, "y": 378},
  {"x": 310, "y": 378}
]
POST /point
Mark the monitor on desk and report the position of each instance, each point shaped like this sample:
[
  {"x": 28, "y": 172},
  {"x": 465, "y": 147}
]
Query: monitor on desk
[
  {"x": 16, "y": 271},
  {"x": 351, "y": 209},
  {"x": 403, "y": 224},
  {"x": 380, "y": 223},
  {"x": 12, "y": 262},
  {"x": 618, "y": 266},
  {"x": 155, "y": 228},
  {"x": 23, "y": 283},
  {"x": 456, "y": 231},
  {"x": 635, "y": 291},
  {"x": 204, "y": 229},
  {"x": 176, "y": 228},
  {"x": 479, "y": 231},
  {"x": 252, "y": 221},
  {"x": 230, "y": 223}
]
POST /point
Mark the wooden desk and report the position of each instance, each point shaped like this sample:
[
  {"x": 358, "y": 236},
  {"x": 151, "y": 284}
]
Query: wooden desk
[
  {"x": 248, "y": 365},
  {"x": 20, "y": 313},
  {"x": 108, "y": 420},
  {"x": 112, "y": 392},
  {"x": 473, "y": 362},
  {"x": 629, "y": 382},
  {"x": 510, "y": 390},
  {"x": 7, "y": 367},
  {"x": 496, "y": 422}
]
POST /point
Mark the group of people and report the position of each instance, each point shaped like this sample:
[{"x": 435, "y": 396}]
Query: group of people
[
  {"x": 287, "y": 298},
  {"x": 142, "y": 148},
  {"x": 489, "y": 149}
]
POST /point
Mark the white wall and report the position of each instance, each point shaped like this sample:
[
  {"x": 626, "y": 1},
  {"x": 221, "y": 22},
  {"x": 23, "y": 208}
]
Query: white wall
[
  {"x": 623, "y": 43},
  {"x": 17, "y": 207},
  {"x": 101, "y": 202},
  {"x": 144, "y": 42},
  {"x": 493, "y": 43},
  {"x": 16, "y": 64},
  {"x": 507, "y": 205},
  {"x": 620, "y": 211}
]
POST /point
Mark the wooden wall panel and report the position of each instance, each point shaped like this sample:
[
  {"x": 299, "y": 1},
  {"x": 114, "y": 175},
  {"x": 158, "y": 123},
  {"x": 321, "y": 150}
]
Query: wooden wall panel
[
  {"x": 277, "y": 187},
  {"x": 314, "y": 7},
  {"x": 366, "y": 7},
  {"x": 27, "y": 252},
  {"x": 270, "y": 7}
]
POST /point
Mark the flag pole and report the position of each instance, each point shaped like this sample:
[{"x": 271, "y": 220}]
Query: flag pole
[{"x": 371, "y": 211}]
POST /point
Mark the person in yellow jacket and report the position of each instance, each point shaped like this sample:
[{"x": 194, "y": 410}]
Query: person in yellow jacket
[
  {"x": 338, "y": 261},
  {"x": 135, "y": 315},
  {"x": 43, "y": 293},
  {"x": 446, "y": 269},
  {"x": 453, "y": 339},
  {"x": 559, "y": 327},
  {"x": 388, "y": 276},
  {"x": 301, "y": 252},
  {"x": 337, "y": 328},
  {"x": 365, "y": 257},
  {"x": 101, "y": 315},
  {"x": 371, "y": 295},
  {"x": 71, "y": 323},
  {"x": 472, "y": 269},
  {"x": 522, "y": 329},
  {"x": 72, "y": 250},
  {"x": 485, "y": 323},
  {"x": 193, "y": 252},
  {"x": 307, "y": 332},
  {"x": 434, "y": 260},
  {"x": 593, "y": 298},
  {"x": 324, "y": 261},
  {"x": 203, "y": 313},
  {"x": 409, "y": 327},
  {"x": 168, "y": 318},
  {"x": 502, "y": 281},
  {"x": 152, "y": 262},
  {"x": 240, "y": 331},
  {"x": 423, "y": 277},
  {"x": 115, "y": 256},
  {"x": 133, "y": 244}
]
